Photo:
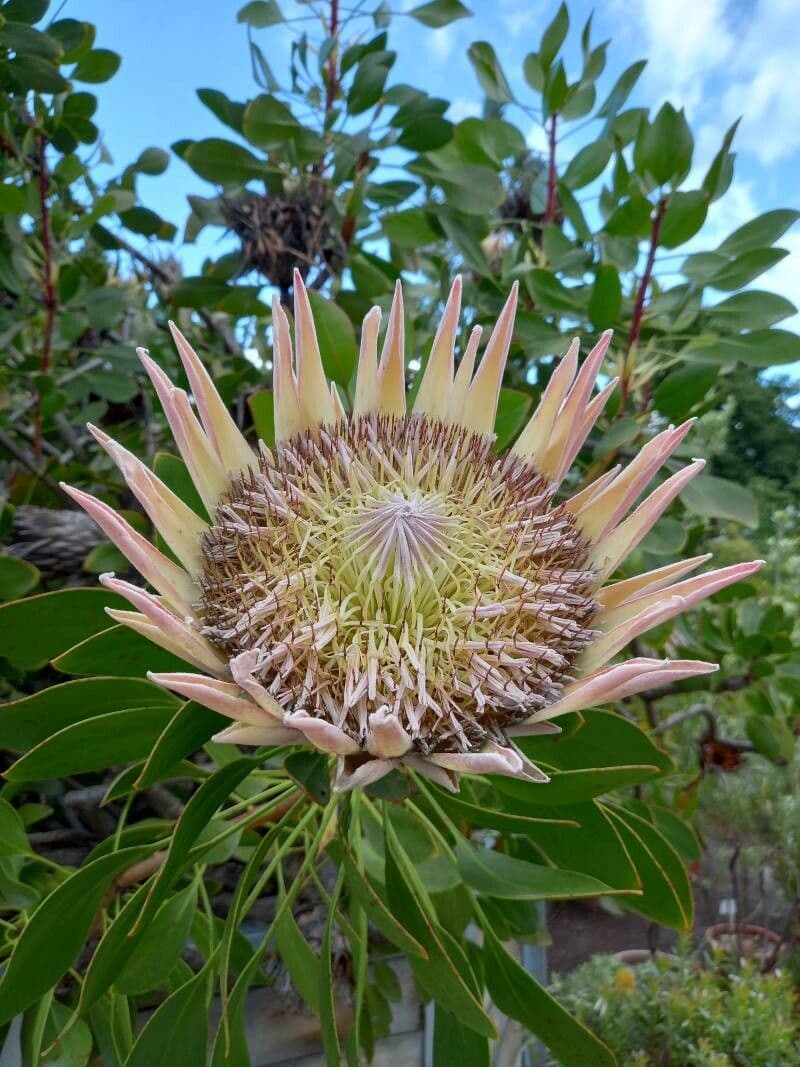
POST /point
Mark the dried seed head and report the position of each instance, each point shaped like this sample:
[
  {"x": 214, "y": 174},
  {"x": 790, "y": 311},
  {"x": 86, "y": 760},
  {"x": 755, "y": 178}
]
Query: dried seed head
[{"x": 400, "y": 564}]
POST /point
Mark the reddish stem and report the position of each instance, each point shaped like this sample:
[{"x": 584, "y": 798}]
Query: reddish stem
[
  {"x": 641, "y": 295},
  {"x": 550, "y": 210},
  {"x": 50, "y": 298},
  {"x": 332, "y": 78}
]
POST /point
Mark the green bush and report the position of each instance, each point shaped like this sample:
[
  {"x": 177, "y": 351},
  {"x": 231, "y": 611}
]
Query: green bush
[{"x": 681, "y": 1014}]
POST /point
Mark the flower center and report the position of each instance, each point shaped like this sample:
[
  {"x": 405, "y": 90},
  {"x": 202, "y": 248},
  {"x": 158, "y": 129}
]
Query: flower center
[{"x": 400, "y": 563}]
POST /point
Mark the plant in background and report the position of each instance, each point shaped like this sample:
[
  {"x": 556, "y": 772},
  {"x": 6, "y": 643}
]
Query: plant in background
[{"x": 679, "y": 1011}]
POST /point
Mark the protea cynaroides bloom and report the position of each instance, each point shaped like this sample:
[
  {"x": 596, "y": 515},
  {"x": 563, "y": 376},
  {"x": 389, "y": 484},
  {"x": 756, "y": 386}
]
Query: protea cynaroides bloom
[{"x": 384, "y": 586}]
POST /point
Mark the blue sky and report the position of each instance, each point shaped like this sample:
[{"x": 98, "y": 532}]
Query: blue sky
[{"x": 718, "y": 58}]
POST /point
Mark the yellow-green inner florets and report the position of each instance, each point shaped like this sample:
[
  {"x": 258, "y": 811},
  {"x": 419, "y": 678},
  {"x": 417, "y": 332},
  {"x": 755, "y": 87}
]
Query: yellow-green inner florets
[{"x": 401, "y": 564}]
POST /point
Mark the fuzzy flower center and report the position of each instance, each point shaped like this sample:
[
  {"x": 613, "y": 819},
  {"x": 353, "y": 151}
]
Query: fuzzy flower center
[{"x": 400, "y": 564}]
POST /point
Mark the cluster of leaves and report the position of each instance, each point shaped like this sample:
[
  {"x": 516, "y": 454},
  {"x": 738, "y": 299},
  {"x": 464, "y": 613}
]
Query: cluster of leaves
[
  {"x": 301, "y": 177},
  {"x": 418, "y": 864},
  {"x": 679, "y": 1011}
]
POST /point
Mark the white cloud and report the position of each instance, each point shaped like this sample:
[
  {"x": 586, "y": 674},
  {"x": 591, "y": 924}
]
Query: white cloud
[
  {"x": 722, "y": 60},
  {"x": 463, "y": 108},
  {"x": 441, "y": 42}
]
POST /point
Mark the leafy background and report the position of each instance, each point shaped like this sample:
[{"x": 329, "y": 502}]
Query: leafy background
[{"x": 116, "y": 808}]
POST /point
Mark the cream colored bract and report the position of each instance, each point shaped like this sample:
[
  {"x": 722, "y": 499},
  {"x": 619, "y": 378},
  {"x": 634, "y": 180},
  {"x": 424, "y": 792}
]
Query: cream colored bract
[{"x": 382, "y": 584}]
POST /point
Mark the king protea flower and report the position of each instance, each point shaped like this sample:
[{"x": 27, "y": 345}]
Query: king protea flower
[{"x": 383, "y": 585}]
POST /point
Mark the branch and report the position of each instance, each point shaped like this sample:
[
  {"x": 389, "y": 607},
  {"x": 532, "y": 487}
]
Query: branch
[
  {"x": 641, "y": 295},
  {"x": 164, "y": 276},
  {"x": 550, "y": 210},
  {"x": 50, "y": 297}
]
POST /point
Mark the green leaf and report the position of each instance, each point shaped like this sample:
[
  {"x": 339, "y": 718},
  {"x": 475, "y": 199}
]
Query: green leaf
[
  {"x": 587, "y": 164},
  {"x": 495, "y": 874},
  {"x": 571, "y": 787},
  {"x": 440, "y": 13},
  {"x": 488, "y": 142},
  {"x": 369, "y": 81},
  {"x": 623, "y": 87},
  {"x": 226, "y": 110},
  {"x": 455, "y": 1044},
  {"x": 327, "y": 988},
  {"x": 159, "y": 945},
  {"x": 550, "y": 292},
  {"x": 666, "y": 892},
  {"x": 664, "y": 146},
  {"x": 605, "y": 302},
  {"x": 751, "y": 310},
  {"x": 445, "y": 976},
  {"x": 25, "y": 40},
  {"x": 196, "y": 815},
  {"x": 268, "y": 123},
  {"x": 13, "y": 838},
  {"x": 603, "y": 739},
  {"x": 152, "y": 161},
  {"x": 33, "y": 72},
  {"x": 376, "y": 908},
  {"x": 760, "y": 232},
  {"x": 631, "y": 218},
  {"x": 771, "y": 737},
  {"x": 489, "y": 72},
  {"x": 175, "y": 475},
  {"x": 74, "y": 1046},
  {"x": 48, "y": 945},
  {"x": 717, "y": 498},
  {"x": 300, "y": 960},
  {"x": 223, "y": 162},
  {"x": 177, "y": 1032},
  {"x": 17, "y": 577},
  {"x": 29, "y": 721},
  {"x": 186, "y": 732},
  {"x": 683, "y": 388},
  {"x": 92, "y": 745},
  {"x": 118, "y": 651},
  {"x": 512, "y": 410},
  {"x": 337, "y": 339},
  {"x": 473, "y": 190},
  {"x": 534, "y": 74},
  {"x": 592, "y": 847},
  {"x": 29, "y": 11},
  {"x": 519, "y": 996},
  {"x": 554, "y": 36},
  {"x": 746, "y": 267},
  {"x": 262, "y": 410},
  {"x": 35, "y": 629},
  {"x": 97, "y": 66},
  {"x": 685, "y": 215},
  {"x": 260, "y": 13},
  {"x": 720, "y": 174},
  {"x": 409, "y": 229}
]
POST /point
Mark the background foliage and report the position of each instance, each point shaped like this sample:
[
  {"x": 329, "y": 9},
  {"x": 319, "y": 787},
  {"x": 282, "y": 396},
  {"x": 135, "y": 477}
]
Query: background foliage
[{"x": 335, "y": 167}]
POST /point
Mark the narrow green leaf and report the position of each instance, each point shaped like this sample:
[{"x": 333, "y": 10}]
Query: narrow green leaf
[
  {"x": 17, "y": 577},
  {"x": 187, "y": 731},
  {"x": 496, "y": 874},
  {"x": 446, "y": 975},
  {"x": 37, "y": 628},
  {"x": 177, "y": 1033},
  {"x": 27, "y": 722},
  {"x": 456, "y": 1044},
  {"x": 376, "y": 909},
  {"x": 48, "y": 945},
  {"x": 337, "y": 339},
  {"x": 92, "y": 745},
  {"x": 518, "y": 995},
  {"x": 262, "y": 409},
  {"x": 300, "y": 960}
]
